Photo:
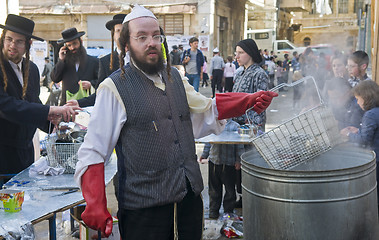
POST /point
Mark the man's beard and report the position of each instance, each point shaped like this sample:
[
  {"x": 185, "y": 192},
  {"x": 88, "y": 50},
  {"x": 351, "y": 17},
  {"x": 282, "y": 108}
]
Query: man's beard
[
  {"x": 73, "y": 58},
  {"x": 149, "y": 68}
]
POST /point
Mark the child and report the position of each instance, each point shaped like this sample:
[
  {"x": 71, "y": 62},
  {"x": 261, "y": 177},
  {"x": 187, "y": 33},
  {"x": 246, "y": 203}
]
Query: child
[
  {"x": 297, "y": 89},
  {"x": 279, "y": 73},
  {"x": 343, "y": 103},
  {"x": 271, "y": 71},
  {"x": 357, "y": 64},
  {"x": 367, "y": 95},
  {"x": 286, "y": 68},
  {"x": 229, "y": 72},
  {"x": 205, "y": 73},
  {"x": 224, "y": 160}
]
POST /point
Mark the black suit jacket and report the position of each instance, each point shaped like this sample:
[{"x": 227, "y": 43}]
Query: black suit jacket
[
  {"x": 104, "y": 72},
  {"x": 19, "y": 119},
  {"x": 88, "y": 70}
]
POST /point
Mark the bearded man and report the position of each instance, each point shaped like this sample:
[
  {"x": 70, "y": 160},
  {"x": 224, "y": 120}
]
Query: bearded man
[
  {"x": 154, "y": 114},
  {"x": 108, "y": 63},
  {"x": 74, "y": 65},
  {"x": 21, "y": 111}
]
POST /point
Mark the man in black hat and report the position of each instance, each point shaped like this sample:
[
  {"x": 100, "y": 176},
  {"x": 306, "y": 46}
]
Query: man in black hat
[
  {"x": 74, "y": 65},
  {"x": 175, "y": 56},
  {"x": 110, "y": 63},
  {"x": 21, "y": 111},
  {"x": 107, "y": 64}
]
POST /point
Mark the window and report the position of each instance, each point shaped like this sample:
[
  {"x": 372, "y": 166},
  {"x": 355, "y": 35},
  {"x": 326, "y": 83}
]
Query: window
[
  {"x": 283, "y": 45},
  {"x": 172, "y": 23},
  {"x": 263, "y": 35},
  {"x": 358, "y": 4},
  {"x": 343, "y": 6}
]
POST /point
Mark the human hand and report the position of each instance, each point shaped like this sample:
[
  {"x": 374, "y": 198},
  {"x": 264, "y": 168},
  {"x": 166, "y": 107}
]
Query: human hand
[
  {"x": 186, "y": 59},
  {"x": 202, "y": 160},
  {"x": 263, "y": 101},
  {"x": 353, "y": 129},
  {"x": 72, "y": 103},
  {"x": 96, "y": 215},
  {"x": 237, "y": 165},
  {"x": 345, "y": 132},
  {"x": 85, "y": 84},
  {"x": 66, "y": 112},
  {"x": 62, "y": 52}
]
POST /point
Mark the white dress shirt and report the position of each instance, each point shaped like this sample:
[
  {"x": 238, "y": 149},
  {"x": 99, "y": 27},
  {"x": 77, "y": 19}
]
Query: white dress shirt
[
  {"x": 17, "y": 69},
  {"x": 109, "y": 116}
]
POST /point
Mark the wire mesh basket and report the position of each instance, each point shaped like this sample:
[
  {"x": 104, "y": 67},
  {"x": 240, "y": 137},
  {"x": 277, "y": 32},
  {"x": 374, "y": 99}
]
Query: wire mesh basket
[
  {"x": 64, "y": 155},
  {"x": 300, "y": 138}
]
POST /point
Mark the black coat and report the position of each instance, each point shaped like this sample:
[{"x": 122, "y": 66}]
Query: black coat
[
  {"x": 19, "y": 119},
  {"x": 104, "y": 72},
  {"x": 88, "y": 71}
]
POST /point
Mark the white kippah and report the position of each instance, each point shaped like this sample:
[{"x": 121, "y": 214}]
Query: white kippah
[{"x": 137, "y": 12}]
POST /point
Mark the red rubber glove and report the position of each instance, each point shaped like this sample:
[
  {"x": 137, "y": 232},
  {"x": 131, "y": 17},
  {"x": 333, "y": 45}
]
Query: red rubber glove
[
  {"x": 96, "y": 215},
  {"x": 264, "y": 101},
  {"x": 235, "y": 104}
]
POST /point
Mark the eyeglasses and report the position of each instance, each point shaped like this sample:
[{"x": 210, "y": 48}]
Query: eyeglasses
[
  {"x": 18, "y": 43},
  {"x": 143, "y": 39},
  {"x": 352, "y": 66}
]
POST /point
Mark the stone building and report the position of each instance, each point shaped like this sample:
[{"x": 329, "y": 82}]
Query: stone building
[
  {"x": 310, "y": 22},
  {"x": 217, "y": 23},
  {"x": 341, "y": 24}
]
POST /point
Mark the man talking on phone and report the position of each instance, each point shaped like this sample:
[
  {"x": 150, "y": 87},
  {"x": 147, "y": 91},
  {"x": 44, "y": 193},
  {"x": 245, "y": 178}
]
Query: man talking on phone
[{"x": 74, "y": 65}]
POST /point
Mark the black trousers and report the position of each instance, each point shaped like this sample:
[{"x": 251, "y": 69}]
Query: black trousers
[
  {"x": 216, "y": 82},
  {"x": 229, "y": 84},
  {"x": 219, "y": 175},
  {"x": 158, "y": 222}
]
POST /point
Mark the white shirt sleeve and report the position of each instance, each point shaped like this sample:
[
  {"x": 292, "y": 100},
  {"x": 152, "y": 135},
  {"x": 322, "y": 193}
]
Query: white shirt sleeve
[
  {"x": 109, "y": 116},
  {"x": 107, "y": 119},
  {"x": 204, "y": 113}
]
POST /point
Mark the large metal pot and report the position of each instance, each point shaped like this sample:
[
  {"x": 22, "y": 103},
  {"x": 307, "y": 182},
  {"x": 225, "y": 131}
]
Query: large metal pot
[{"x": 332, "y": 196}]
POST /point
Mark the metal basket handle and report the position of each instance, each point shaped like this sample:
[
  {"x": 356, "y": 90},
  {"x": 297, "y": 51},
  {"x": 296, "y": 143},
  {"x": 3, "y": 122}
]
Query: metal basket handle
[{"x": 276, "y": 88}]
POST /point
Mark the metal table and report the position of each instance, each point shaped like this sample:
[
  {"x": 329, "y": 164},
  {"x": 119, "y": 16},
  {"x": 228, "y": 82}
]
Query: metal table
[
  {"x": 44, "y": 197},
  {"x": 225, "y": 137}
]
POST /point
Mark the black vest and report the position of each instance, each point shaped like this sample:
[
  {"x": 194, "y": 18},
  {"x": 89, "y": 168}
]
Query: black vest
[{"x": 157, "y": 141}]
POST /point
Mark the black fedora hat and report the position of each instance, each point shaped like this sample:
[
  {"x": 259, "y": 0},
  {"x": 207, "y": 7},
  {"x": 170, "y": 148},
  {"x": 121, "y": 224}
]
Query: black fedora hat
[
  {"x": 117, "y": 19},
  {"x": 20, "y": 25},
  {"x": 69, "y": 35}
]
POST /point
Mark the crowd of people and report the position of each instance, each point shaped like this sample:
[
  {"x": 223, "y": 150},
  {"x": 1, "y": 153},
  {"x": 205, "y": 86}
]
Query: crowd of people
[{"x": 336, "y": 77}]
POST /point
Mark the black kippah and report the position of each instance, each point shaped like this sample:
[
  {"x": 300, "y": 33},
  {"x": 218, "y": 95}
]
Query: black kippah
[{"x": 250, "y": 47}]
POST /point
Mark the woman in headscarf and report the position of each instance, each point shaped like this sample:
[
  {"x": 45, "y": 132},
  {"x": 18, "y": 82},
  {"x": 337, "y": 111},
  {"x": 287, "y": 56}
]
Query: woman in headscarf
[{"x": 251, "y": 79}]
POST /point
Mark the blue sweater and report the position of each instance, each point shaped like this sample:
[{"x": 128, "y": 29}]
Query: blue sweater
[{"x": 368, "y": 134}]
